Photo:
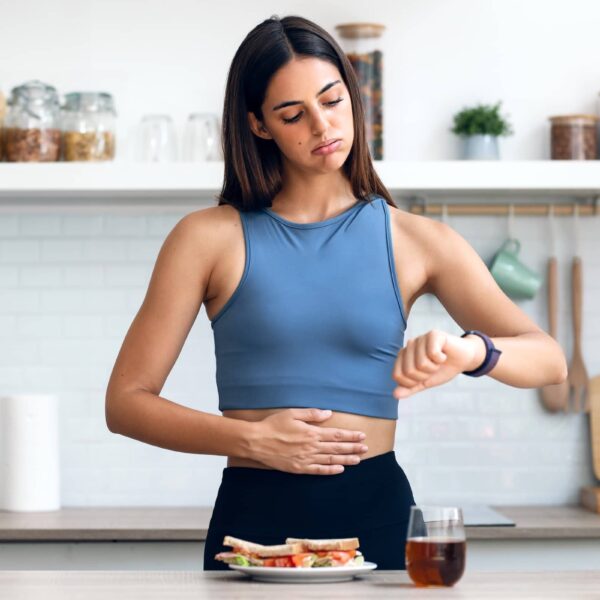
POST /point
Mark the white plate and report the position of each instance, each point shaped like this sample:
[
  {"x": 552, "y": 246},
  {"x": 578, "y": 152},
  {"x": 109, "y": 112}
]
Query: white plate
[{"x": 305, "y": 574}]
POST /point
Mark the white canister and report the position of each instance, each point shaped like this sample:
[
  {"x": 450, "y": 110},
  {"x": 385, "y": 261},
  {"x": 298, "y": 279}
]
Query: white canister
[{"x": 29, "y": 453}]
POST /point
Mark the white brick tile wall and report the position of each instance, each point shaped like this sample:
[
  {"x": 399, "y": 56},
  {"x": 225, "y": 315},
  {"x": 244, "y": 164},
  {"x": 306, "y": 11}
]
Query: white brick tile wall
[
  {"x": 86, "y": 276},
  {"x": 9, "y": 225},
  {"x": 127, "y": 275},
  {"x": 43, "y": 276},
  {"x": 70, "y": 285},
  {"x": 82, "y": 225},
  {"x": 40, "y": 225},
  {"x": 9, "y": 276},
  {"x": 19, "y": 251},
  {"x": 62, "y": 250}
]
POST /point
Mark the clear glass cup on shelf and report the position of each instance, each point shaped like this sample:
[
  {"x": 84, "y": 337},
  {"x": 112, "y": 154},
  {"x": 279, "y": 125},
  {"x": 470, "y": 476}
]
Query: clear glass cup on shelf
[
  {"x": 202, "y": 138},
  {"x": 436, "y": 545},
  {"x": 156, "y": 139}
]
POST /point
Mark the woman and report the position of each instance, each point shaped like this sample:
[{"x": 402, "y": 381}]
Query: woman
[{"x": 308, "y": 273}]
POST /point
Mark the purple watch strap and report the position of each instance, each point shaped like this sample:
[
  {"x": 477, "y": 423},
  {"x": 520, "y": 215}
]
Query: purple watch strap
[{"x": 492, "y": 355}]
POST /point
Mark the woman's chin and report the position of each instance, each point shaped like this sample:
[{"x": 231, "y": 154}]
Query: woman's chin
[{"x": 329, "y": 163}]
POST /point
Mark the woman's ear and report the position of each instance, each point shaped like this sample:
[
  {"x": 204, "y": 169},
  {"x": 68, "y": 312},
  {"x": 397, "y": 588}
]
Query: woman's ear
[{"x": 257, "y": 127}]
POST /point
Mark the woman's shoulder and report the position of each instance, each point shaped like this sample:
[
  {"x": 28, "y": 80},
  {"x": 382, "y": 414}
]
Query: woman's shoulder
[
  {"x": 206, "y": 232},
  {"x": 211, "y": 223},
  {"x": 420, "y": 229}
]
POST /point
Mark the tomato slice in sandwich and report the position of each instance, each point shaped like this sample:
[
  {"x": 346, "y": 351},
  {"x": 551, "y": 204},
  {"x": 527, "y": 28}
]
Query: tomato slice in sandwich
[
  {"x": 298, "y": 559},
  {"x": 342, "y": 556},
  {"x": 278, "y": 561}
]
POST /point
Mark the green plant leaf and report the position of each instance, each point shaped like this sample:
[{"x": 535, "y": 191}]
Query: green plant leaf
[{"x": 482, "y": 119}]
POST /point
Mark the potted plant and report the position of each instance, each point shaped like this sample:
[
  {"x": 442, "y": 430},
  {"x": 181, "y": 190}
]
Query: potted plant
[{"x": 479, "y": 127}]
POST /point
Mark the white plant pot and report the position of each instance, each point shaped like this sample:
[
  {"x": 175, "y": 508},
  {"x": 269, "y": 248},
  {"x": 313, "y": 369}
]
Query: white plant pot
[{"x": 481, "y": 147}]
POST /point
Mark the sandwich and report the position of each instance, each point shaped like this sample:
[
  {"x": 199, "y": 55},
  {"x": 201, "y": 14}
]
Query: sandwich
[
  {"x": 296, "y": 552},
  {"x": 331, "y": 553}
]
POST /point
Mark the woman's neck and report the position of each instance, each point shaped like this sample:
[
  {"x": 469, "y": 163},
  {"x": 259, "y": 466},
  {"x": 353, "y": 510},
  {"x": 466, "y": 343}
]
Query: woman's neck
[{"x": 313, "y": 197}]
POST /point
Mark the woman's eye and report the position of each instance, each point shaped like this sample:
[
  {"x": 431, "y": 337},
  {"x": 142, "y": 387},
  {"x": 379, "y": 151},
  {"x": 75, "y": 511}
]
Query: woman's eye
[{"x": 294, "y": 119}]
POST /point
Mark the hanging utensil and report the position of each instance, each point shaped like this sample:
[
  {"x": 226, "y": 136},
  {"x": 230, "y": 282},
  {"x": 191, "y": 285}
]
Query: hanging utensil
[
  {"x": 594, "y": 398},
  {"x": 590, "y": 494},
  {"x": 554, "y": 397},
  {"x": 577, "y": 377}
]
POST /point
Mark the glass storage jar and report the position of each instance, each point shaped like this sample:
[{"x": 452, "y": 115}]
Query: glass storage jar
[
  {"x": 2, "y": 114},
  {"x": 31, "y": 127},
  {"x": 598, "y": 128},
  {"x": 573, "y": 137},
  {"x": 362, "y": 44},
  {"x": 88, "y": 125}
]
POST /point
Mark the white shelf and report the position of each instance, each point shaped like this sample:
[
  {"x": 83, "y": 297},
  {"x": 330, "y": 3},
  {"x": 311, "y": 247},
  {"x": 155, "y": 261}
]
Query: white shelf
[{"x": 160, "y": 184}]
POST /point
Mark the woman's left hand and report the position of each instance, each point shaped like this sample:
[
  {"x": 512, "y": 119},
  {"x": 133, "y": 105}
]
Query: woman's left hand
[{"x": 434, "y": 358}]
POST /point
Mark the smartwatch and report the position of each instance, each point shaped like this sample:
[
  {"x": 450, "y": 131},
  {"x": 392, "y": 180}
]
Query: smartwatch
[{"x": 492, "y": 355}]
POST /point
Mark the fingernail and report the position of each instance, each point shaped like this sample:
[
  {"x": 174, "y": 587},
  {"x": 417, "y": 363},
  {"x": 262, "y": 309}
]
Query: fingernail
[
  {"x": 362, "y": 436},
  {"x": 364, "y": 448}
]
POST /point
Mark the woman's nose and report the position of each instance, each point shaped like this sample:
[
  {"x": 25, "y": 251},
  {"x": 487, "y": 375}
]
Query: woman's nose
[{"x": 319, "y": 122}]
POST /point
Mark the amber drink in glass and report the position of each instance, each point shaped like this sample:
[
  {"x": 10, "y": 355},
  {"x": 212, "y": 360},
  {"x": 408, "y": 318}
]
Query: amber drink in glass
[{"x": 435, "y": 546}]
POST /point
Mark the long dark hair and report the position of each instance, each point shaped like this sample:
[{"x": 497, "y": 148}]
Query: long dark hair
[{"x": 253, "y": 165}]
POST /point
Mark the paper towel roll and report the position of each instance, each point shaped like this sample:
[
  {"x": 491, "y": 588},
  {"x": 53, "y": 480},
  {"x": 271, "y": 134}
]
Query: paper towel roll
[{"x": 29, "y": 453}]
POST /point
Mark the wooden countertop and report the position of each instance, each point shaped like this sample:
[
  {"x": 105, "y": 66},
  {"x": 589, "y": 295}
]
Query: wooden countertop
[
  {"x": 191, "y": 523},
  {"x": 141, "y": 585}
]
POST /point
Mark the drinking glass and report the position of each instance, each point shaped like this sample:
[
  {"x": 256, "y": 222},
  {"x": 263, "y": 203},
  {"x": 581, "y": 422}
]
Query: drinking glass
[
  {"x": 202, "y": 138},
  {"x": 436, "y": 545},
  {"x": 156, "y": 139}
]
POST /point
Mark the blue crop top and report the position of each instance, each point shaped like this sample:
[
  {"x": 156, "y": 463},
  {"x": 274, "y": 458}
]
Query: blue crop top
[{"x": 317, "y": 318}]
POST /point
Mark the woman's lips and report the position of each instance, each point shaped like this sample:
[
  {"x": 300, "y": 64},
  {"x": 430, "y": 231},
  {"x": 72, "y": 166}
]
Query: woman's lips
[{"x": 329, "y": 148}]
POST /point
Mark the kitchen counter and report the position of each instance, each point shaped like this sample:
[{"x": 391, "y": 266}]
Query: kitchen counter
[
  {"x": 191, "y": 524},
  {"x": 133, "y": 585},
  {"x": 544, "y": 538}
]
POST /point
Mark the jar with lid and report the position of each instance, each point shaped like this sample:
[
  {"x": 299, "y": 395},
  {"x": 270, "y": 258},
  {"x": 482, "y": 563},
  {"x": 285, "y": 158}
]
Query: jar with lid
[
  {"x": 88, "y": 125},
  {"x": 2, "y": 114},
  {"x": 573, "y": 137},
  {"x": 32, "y": 128},
  {"x": 362, "y": 44},
  {"x": 598, "y": 128}
]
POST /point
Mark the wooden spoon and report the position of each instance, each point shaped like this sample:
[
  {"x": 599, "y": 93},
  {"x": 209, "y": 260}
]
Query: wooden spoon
[
  {"x": 554, "y": 397},
  {"x": 578, "y": 378},
  {"x": 594, "y": 398}
]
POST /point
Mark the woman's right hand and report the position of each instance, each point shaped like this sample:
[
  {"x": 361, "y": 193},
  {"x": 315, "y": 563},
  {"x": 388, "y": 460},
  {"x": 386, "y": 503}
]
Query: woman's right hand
[{"x": 286, "y": 441}]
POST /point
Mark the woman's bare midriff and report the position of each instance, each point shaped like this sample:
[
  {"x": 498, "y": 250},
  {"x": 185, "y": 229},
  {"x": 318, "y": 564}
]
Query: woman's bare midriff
[{"x": 380, "y": 433}]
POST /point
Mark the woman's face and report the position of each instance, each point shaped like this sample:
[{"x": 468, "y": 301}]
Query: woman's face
[{"x": 307, "y": 103}]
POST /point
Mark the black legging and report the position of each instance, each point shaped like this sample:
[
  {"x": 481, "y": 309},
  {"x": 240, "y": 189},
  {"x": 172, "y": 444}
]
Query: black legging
[{"x": 370, "y": 500}]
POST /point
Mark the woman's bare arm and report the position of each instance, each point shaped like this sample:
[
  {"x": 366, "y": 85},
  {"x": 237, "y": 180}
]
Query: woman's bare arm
[
  {"x": 153, "y": 342},
  {"x": 464, "y": 285}
]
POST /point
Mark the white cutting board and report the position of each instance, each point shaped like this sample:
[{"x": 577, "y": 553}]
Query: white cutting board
[{"x": 481, "y": 515}]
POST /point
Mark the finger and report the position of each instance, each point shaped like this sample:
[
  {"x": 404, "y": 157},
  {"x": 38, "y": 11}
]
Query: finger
[
  {"x": 335, "y": 459},
  {"x": 341, "y": 448},
  {"x": 422, "y": 361},
  {"x": 310, "y": 414},
  {"x": 331, "y": 434},
  {"x": 324, "y": 469},
  {"x": 399, "y": 374},
  {"x": 404, "y": 392},
  {"x": 434, "y": 348},
  {"x": 409, "y": 368}
]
